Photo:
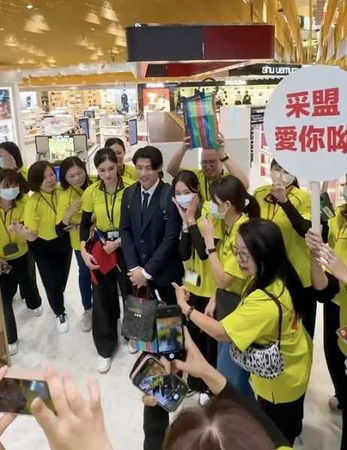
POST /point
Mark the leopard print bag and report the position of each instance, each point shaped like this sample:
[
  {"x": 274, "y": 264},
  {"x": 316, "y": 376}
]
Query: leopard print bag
[{"x": 263, "y": 360}]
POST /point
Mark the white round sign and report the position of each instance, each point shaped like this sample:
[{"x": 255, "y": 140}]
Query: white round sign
[{"x": 305, "y": 123}]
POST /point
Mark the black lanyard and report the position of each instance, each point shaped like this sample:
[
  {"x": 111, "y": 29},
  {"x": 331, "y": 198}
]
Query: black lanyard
[
  {"x": 207, "y": 189},
  {"x": 3, "y": 220},
  {"x": 50, "y": 204},
  {"x": 110, "y": 215}
]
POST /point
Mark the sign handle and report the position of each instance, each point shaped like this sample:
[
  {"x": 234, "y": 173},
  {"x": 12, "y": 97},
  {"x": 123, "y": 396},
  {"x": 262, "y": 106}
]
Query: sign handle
[{"x": 315, "y": 192}]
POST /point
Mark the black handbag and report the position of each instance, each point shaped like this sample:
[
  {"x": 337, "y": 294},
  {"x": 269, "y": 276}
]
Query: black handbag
[
  {"x": 139, "y": 317},
  {"x": 226, "y": 303}
]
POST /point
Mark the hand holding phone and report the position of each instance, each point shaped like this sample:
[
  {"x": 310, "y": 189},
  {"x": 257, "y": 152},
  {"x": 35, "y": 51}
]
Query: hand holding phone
[
  {"x": 6, "y": 419},
  {"x": 152, "y": 379},
  {"x": 88, "y": 430},
  {"x": 169, "y": 331}
]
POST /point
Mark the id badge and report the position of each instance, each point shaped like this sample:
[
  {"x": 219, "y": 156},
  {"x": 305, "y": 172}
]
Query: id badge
[
  {"x": 112, "y": 235},
  {"x": 10, "y": 249},
  {"x": 192, "y": 278}
]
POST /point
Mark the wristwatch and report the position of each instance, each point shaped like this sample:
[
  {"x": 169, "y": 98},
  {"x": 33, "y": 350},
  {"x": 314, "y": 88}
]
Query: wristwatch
[
  {"x": 226, "y": 157},
  {"x": 189, "y": 313},
  {"x": 211, "y": 250}
]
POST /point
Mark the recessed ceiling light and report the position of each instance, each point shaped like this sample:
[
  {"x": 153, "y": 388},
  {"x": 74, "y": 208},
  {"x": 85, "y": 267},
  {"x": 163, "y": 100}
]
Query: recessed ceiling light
[
  {"x": 2, "y": 29},
  {"x": 30, "y": 6}
]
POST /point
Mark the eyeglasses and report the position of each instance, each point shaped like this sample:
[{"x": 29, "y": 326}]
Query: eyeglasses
[
  {"x": 209, "y": 163},
  {"x": 243, "y": 256}
]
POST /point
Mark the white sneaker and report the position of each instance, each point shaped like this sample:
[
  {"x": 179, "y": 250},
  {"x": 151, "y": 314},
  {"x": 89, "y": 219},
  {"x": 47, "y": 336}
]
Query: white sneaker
[
  {"x": 62, "y": 323},
  {"x": 205, "y": 397},
  {"x": 38, "y": 311},
  {"x": 132, "y": 350},
  {"x": 13, "y": 348},
  {"x": 86, "y": 321},
  {"x": 104, "y": 364}
]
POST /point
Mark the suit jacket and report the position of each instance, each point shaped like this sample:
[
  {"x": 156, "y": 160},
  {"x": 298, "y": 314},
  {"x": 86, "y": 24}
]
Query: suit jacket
[{"x": 152, "y": 244}]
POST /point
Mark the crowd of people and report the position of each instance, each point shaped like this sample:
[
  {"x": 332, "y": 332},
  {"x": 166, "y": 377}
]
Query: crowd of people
[{"x": 246, "y": 270}]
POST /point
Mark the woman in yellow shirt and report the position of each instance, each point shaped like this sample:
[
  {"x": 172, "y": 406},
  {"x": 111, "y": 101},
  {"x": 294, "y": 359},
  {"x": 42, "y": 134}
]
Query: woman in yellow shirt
[
  {"x": 11, "y": 158},
  {"x": 103, "y": 199},
  {"x": 256, "y": 321},
  {"x": 198, "y": 278},
  {"x": 232, "y": 204},
  {"x": 14, "y": 265},
  {"x": 124, "y": 170},
  {"x": 74, "y": 181},
  {"x": 278, "y": 201},
  {"x": 52, "y": 253}
]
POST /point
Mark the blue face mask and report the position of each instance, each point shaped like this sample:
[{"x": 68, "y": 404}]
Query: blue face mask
[
  {"x": 9, "y": 193},
  {"x": 184, "y": 200},
  {"x": 215, "y": 212}
]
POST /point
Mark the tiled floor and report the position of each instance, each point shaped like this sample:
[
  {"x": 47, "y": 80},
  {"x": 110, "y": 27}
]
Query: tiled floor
[{"x": 75, "y": 352}]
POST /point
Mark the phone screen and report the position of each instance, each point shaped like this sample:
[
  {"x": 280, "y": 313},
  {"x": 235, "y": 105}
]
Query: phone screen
[
  {"x": 170, "y": 335},
  {"x": 16, "y": 395},
  {"x": 167, "y": 389}
]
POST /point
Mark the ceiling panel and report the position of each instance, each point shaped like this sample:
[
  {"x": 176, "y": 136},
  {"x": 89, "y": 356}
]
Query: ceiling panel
[{"x": 50, "y": 32}]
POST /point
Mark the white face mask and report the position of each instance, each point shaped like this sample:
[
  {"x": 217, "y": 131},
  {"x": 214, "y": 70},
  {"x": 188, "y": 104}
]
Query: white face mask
[
  {"x": 184, "y": 200},
  {"x": 215, "y": 212},
  {"x": 9, "y": 193}
]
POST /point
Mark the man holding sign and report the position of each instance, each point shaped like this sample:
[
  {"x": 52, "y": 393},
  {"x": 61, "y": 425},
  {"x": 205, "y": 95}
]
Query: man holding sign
[{"x": 212, "y": 162}]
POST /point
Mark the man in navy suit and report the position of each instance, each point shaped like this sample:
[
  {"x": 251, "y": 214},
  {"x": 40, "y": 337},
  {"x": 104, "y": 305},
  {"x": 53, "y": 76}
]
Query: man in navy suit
[{"x": 150, "y": 230}]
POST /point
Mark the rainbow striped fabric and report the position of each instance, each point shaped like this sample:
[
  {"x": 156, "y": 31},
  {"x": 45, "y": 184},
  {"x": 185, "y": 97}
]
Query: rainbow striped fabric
[{"x": 201, "y": 121}]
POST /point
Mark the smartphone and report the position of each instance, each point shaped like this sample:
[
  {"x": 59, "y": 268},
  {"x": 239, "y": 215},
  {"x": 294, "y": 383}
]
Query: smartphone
[
  {"x": 169, "y": 331},
  {"x": 16, "y": 395},
  {"x": 168, "y": 389},
  {"x": 137, "y": 362}
]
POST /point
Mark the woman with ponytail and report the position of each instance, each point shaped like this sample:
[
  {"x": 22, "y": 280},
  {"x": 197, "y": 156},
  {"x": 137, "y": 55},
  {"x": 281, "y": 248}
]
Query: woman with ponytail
[{"x": 234, "y": 205}]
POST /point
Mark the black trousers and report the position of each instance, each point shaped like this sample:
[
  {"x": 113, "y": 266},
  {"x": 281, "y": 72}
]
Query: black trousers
[
  {"x": 206, "y": 344},
  {"x": 336, "y": 362},
  {"x": 155, "y": 423},
  {"x": 331, "y": 317},
  {"x": 8, "y": 284},
  {"x": 32, "y": 272},
  {"x": 53, "y": 259},
  {"x": 156, "y": 420},
  {"x": 287, "y": 416},
  {"x": 106, "y": 313},
  {"x": 309, "y": 318}
]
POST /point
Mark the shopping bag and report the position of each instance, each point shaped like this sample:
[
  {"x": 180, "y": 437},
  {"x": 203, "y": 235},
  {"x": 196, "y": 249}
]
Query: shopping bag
[
  {"x": 139, "y": 317},
  {"x": 201, "y": 121}
]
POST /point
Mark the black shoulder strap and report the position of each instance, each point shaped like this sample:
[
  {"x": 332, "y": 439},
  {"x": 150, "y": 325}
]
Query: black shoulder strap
[{"x": 275, "y": 299}]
